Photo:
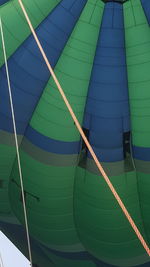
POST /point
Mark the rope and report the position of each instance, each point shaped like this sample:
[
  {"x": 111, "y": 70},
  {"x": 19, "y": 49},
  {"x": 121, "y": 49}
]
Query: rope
[
  {"x": 16, "y": 143},
  {"x": 117, "y": 197}
]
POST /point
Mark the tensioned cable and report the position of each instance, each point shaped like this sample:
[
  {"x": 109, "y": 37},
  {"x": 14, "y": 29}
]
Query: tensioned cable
[
  {"x": 117, "y": 197},
  {"x": 16, "y": 142}
]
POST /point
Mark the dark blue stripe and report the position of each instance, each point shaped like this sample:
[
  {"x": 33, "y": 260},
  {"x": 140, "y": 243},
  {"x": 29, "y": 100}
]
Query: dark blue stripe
[
  {"x": 146, "y": 7},
  {"x": 76, "y": 256},
  {"x": 141, "y": 153},
  {"x": 28, "y": 71},
  {"x": 84, "y": 256},
  {"x": 51, "y": 145},
  {"x": 107, "y": 108},
  {"x": 17, "y": 235},
  {"x": 3, "y": 2}
]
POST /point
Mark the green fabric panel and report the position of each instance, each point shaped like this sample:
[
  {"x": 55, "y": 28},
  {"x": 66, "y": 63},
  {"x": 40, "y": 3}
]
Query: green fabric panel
[
  {"x": 96, "y": 210},
  {"x": 137, "y": 36},
  {"x": 138, "y": 65},
  {"x": 51, "y": 117},
  {"x": 51, "y": 219},
  {"x": 16, "y": 31},
  {"x": 15, "y": 26},
  {"x": 144, "y": 189},
  {"x": 6, "y": 155}
]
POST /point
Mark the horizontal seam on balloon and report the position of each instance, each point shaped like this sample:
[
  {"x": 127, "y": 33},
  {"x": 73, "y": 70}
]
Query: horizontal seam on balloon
[
  {"x": 102, "y": 199},
  {"x": 56, "y": 107},
  {"x": 133, "y": 46},
  {"x": 137, "y": 82},
  {"x": 138, "y": 64},
  {"x": 139, "y": 116},
  {"x": 29, "y": 73},
  {"x": 73, "y": 48},
  {"x": 107, "y": 83},
  {"x": 21, "y": 90},
  {"x": 44, "y": 229},
  {"x": 66, "y": 74},
  {"x": 9, "y": 118},
  {"x": 50, "y": 121},
  {"x": 51, "y": 103},
  {"x": 86, "y": 22},
  {"x": 135, "y": 25},
  {"x": 60, "y": 108},
  {"x": 77, "y": 59},
  {"x": 110, "y": 243},
  {"x": 106, "y": 117},
  {"x": 57, "y": 2},
  {"x": 110, "y": 66},
  {"x": 26, "y": 48},
  {"x": 40, "y": 196},
  {"x": 28, "y": 35},
  {"x": 29, "y": 11},
  {"x": 139, "y": 54},
  {"x": 107, "y": 101},
  {"x": 113, "y": 228},
  {"x": 49, "y": 94},
  {"x": 41, "y": 173}
]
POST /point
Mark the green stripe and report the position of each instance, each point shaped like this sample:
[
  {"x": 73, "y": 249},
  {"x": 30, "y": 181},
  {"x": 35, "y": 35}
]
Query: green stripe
[
  {"x": 51, "y": 219},
  {"x": 15, "y": 26},
  {"x": 51, "y": 117},
  {"x": 101, "y": 224}
]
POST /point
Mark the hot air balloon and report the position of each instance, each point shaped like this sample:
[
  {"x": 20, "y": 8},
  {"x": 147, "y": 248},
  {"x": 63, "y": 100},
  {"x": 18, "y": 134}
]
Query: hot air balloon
[{"x": 100, "y": 53}]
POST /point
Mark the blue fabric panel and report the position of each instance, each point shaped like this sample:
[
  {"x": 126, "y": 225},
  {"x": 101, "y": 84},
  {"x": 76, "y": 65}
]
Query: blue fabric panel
[
  {"x": 100, "y": 124},
  {"x": 3, "y": 2},
  {"x": 87, "y": 121},
  {"x": 102, "y": 88},
  {"x": 103, "y": 140},
  {"x": 51, "y": 145},
  {"x": 146, "y": 7},
  {"x": 103, "y": 108},
  {"x": 108, "y": 155},
  {"x": 113, "y": 17},
  {"x": 141, "y": 153},
  {"x": 126, "y": 124},
  {"x": 107, "y": 102},
  {"x": 28, "y": 71}
]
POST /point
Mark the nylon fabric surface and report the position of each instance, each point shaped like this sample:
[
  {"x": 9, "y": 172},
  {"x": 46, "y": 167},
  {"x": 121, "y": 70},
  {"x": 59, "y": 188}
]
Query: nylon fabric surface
[{"x": 100, "y": 53}]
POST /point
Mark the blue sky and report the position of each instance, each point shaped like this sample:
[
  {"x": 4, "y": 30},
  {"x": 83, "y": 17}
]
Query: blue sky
[{"x": 10, "y": 254}]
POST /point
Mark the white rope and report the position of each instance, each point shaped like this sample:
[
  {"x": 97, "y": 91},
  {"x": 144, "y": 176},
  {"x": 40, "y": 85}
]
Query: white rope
[{"x": 16, "y": 143}]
